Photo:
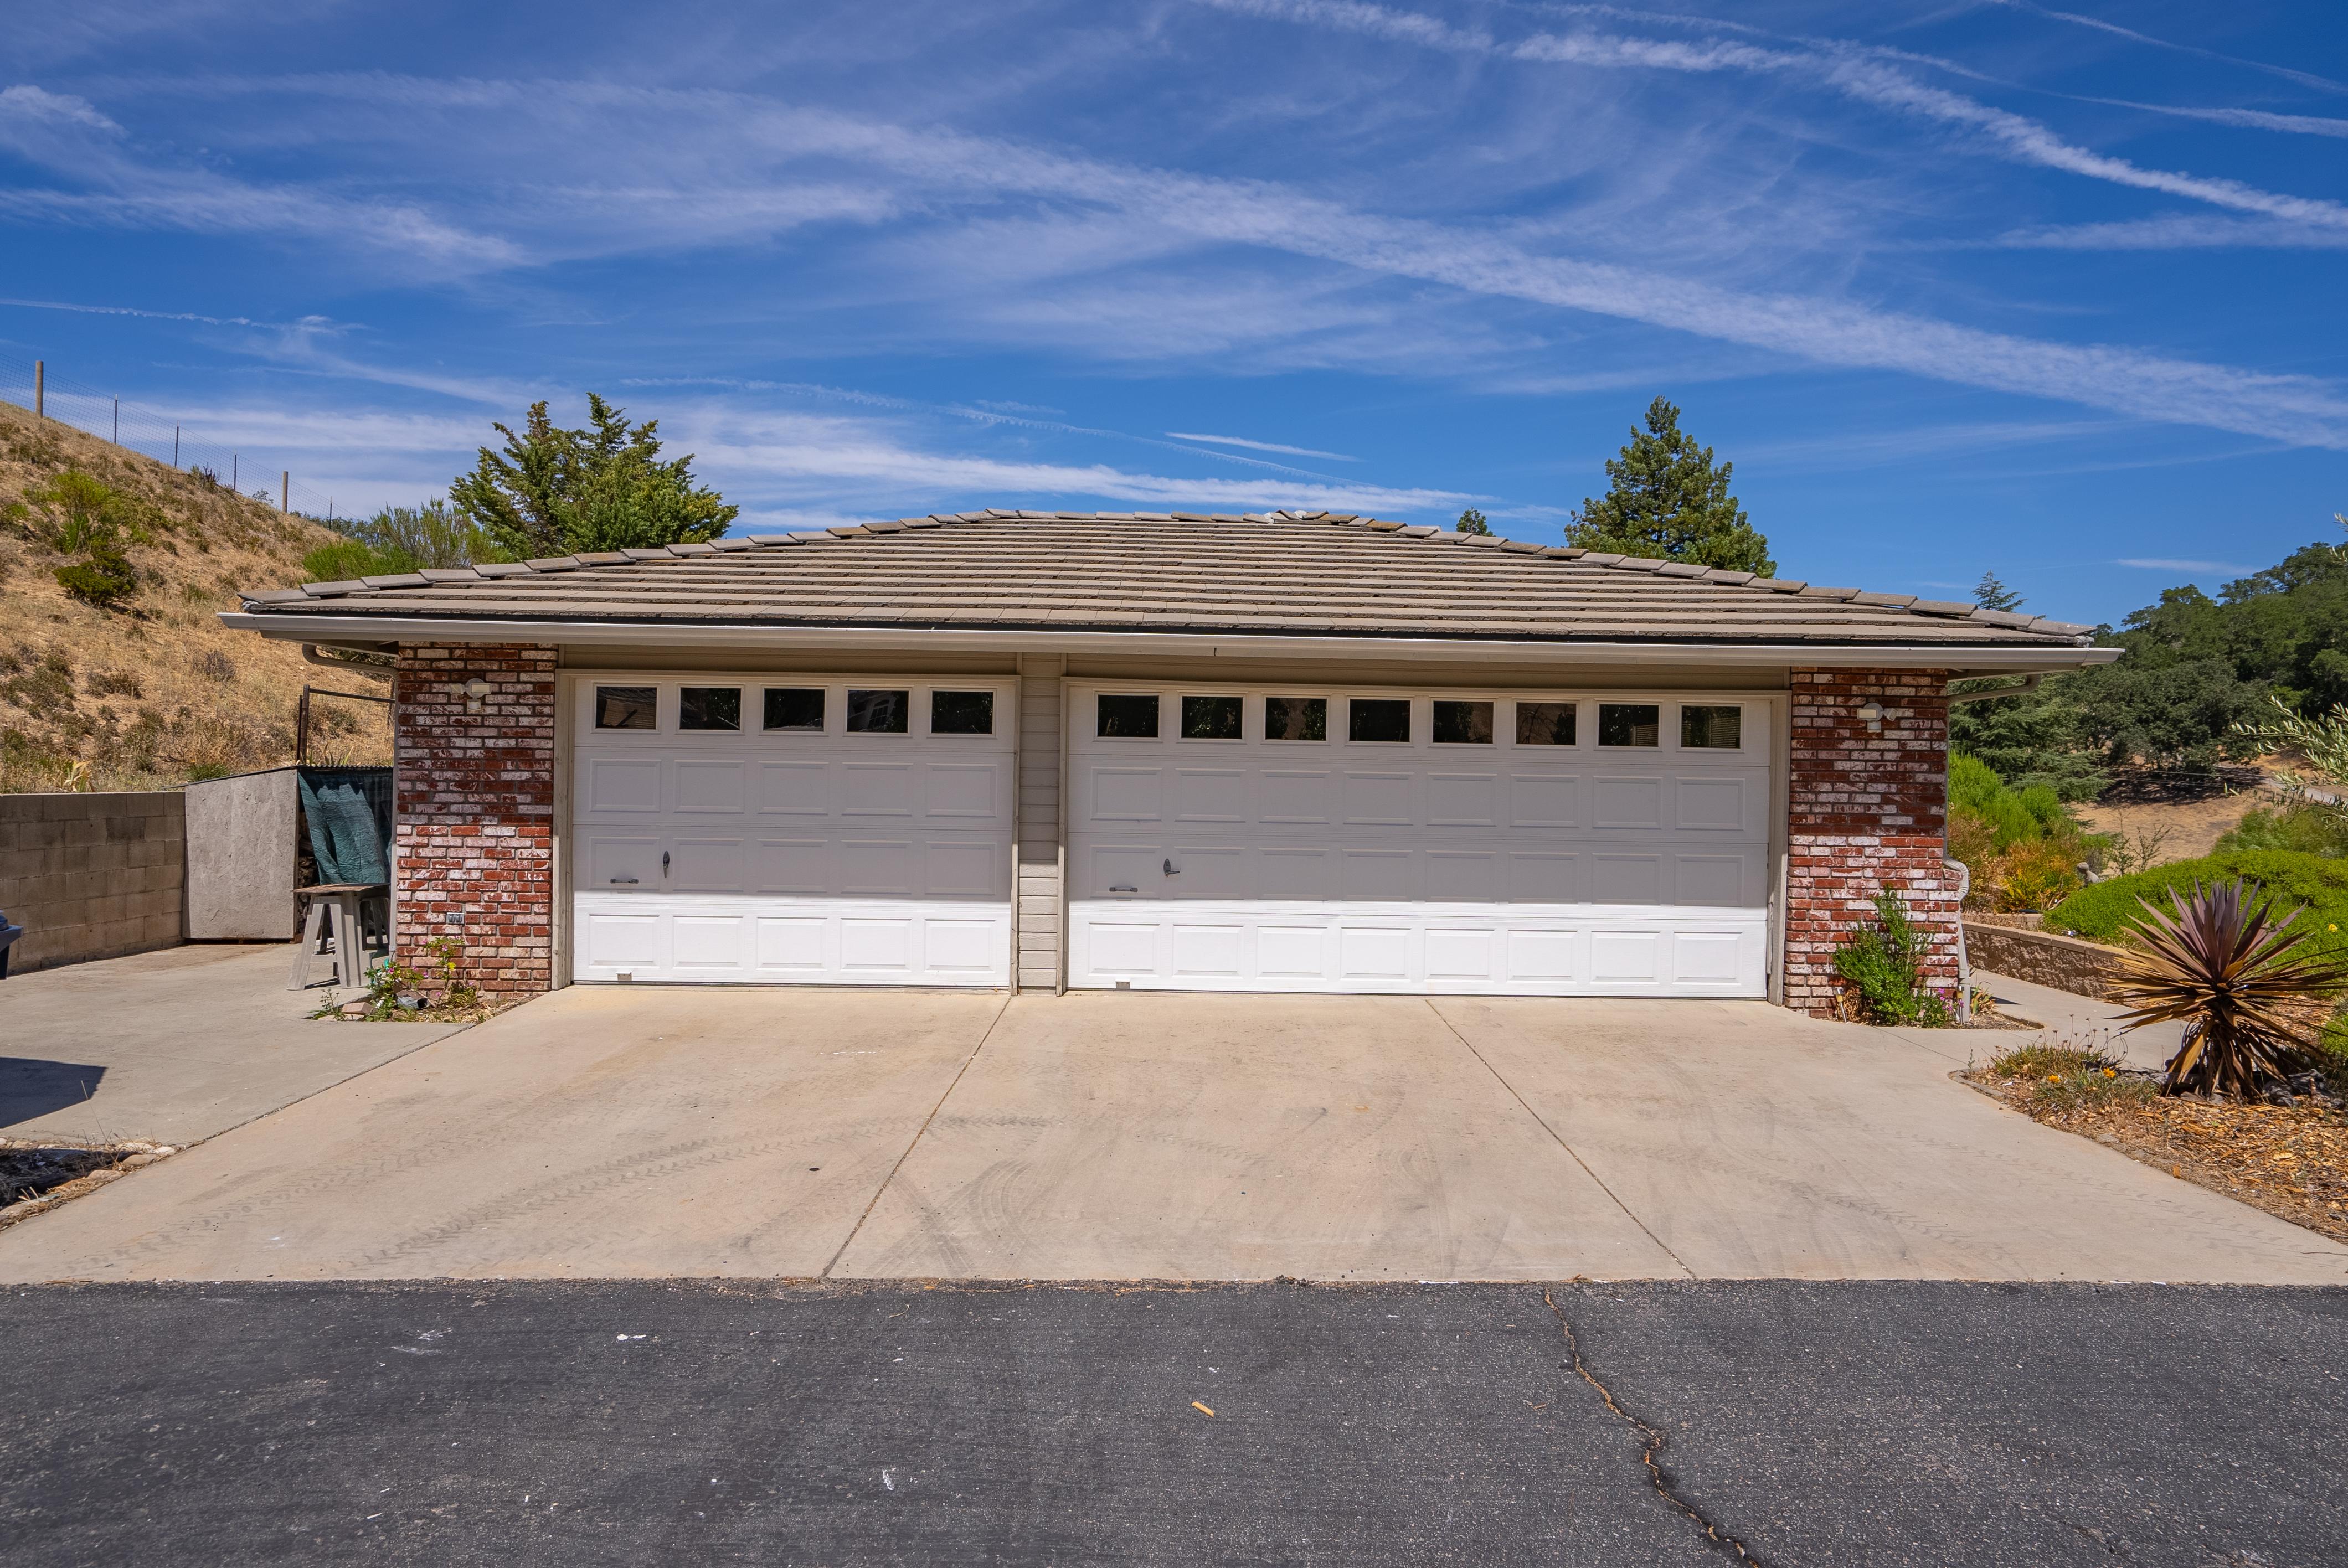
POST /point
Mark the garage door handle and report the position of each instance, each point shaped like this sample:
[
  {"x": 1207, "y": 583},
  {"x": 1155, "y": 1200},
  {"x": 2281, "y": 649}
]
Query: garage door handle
[
  {"x": 663, "y": 862},
  {"x": 1123, "y": 888},
  {"x": 623, "y": 881},
  {"x": 1172, "y": 870}
]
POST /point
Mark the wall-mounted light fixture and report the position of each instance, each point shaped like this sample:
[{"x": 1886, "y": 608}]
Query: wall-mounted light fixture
[
  {"x": 475, "y": 689},
  {"x": 1871, "y": 715}
]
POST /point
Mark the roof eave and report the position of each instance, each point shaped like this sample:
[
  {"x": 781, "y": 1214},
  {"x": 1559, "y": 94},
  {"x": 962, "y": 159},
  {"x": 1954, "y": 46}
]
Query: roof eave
[{"x": 1988, "y": 657}]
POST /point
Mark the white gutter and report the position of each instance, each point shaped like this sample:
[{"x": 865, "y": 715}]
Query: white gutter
[{"x": 372, "y": 629}]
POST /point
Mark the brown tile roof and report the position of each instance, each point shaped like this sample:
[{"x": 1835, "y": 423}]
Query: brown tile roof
[{"x": 1276, "y": 574}]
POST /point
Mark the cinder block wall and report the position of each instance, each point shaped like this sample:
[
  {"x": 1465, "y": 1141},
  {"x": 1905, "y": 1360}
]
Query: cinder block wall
[
  {"x": 92, "y": 876},
  {"x": 1867, "y": 810},
  {"x": 473, "y": 844}
]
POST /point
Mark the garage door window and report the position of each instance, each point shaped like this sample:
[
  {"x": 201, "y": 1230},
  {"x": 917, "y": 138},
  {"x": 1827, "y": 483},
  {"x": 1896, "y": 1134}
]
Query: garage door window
[
  {"x": 1629, "y": 724},
  {"x": 1383, "y": 719},
  {"x": 1712, "y": 729},
  {"x": 1125, "y": 717},
  {"x": 627, "y": 707},
  {"x": 795, "y": 707},
  {"x": 879, "y": 713},
  {"x": 962, "y": 712},
  {"x": 1296, "y": 718},
  {"x": 1210, "y": 718},
  {"x": 1463, "y": 723},
  {"x": 709, "y": 708},
  {"x": 1545, "y": 723}
]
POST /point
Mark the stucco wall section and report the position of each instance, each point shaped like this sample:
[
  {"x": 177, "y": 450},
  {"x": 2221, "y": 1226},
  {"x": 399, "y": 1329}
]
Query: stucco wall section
[{"x": 474, "y": 810}]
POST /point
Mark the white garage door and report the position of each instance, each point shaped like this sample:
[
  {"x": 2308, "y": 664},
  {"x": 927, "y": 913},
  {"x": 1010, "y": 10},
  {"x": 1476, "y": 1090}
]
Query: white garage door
[
  {"x": 769, "y": 828},
  {"x": 1313, "y": 839}
]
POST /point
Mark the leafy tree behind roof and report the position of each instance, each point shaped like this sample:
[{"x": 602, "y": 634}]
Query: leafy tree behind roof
[
  {"x": 2191, "y": 669},
  {"x": 558, "y": 492},
  {"x": 1668, "y": 499}
]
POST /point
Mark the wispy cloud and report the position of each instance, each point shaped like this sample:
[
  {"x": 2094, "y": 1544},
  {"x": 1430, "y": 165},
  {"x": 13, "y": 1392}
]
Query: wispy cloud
[
  {"x": 1261, "y": 446},
  {"x": 2174, "y": 232},
  {"x": 1147, "y": 210},
  {"x": 71, "y": 138},
  {"x": 308, "y": 323},
  {"x": 976, "y": 412},
  {"x": 1860, "y": 75},
  {"x": 1869, "y": 449},
  {"x": 779, "y": 460},
  {"x": 2201, "y": 568},
  {"x": 2305, "y": 78},
  {"x": 2250, "y": 119}
]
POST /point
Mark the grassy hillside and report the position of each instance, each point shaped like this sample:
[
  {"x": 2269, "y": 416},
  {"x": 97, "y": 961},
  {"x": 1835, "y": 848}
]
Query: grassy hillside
[{"x": 145, "y": 689}]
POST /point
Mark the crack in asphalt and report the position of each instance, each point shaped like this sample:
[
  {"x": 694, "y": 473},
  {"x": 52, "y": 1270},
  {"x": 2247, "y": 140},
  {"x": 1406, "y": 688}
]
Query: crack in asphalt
[{"x": 1664, "y": 1486}]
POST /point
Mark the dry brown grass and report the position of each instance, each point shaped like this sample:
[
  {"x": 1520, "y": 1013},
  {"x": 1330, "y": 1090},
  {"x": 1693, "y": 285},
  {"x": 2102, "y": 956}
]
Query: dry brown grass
[{"x": 158, "y": 692}]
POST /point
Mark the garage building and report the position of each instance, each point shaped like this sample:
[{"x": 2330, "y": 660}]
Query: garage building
[{"x": 1286, "y": 752}]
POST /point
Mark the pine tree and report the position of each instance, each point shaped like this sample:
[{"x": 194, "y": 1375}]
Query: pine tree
[
  {"x": 1991, "y": 594},
  {"x": 558, "y": 492},
  {"x": 1668, "y": 499},
  {"x": 1472, "y": 521}
]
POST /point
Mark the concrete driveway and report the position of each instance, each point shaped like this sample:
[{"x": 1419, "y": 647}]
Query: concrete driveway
[
  {"x": 656, "y": 1131},
  {"x": 176, "y": 1045}
]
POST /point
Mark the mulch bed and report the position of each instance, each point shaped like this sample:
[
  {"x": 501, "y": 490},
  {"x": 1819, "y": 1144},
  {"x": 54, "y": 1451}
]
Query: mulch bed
[
  {"x": 2289, "y": 1160},
  {"x": 35, "y": 1176}
]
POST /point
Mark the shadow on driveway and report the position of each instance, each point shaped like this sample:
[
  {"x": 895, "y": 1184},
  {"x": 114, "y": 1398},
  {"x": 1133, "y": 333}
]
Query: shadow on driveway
[{"x": 32, "y": 1087}]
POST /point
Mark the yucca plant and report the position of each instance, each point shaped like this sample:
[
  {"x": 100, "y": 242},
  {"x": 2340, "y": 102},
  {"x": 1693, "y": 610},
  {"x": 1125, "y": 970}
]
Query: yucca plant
[{"x": 2226, "y": 965}]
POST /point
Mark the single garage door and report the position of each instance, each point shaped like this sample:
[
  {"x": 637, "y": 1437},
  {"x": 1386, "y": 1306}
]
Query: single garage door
[
  {"x": 1302, "y": 838},
  {"x": 816, "y": 829}
]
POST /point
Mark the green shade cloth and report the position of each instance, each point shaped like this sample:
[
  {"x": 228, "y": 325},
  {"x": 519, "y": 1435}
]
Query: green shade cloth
[{"x": 349, "y": 813}]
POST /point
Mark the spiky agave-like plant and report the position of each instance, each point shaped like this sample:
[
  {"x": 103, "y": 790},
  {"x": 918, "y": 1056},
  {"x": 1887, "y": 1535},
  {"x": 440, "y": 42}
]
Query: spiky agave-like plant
[{"x": 2224, "y": 964}]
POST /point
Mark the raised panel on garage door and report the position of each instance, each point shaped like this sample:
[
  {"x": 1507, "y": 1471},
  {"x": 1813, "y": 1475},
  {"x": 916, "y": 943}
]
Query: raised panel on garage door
[
  {"x": 847, "y": 845},
  {"x": 1594, "y": 844}
]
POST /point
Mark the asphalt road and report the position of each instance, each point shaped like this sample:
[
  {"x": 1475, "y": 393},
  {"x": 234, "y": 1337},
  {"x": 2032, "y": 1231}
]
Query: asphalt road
[{"x": 587, "y": 1423}]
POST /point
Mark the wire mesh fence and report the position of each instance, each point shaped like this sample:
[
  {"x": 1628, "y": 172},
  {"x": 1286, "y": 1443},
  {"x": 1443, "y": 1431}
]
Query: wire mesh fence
[{"x": 157, "y": 434}]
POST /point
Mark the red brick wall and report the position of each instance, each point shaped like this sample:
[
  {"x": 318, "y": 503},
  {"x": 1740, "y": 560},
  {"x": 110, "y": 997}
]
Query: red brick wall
[
  {"x": 475, "y": 810},
  {"x": 1867, "y": 811}
]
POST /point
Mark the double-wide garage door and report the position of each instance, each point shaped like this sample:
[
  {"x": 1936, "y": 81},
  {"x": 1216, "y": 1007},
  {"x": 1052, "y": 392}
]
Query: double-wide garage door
[
  {"x": 1314, "y": 839},
  {"x": 800, "y": 830},
  {"x": 1297, "y": 838}
]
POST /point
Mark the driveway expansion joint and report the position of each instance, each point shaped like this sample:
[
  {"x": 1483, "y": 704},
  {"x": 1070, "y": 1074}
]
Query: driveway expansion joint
[
  {"x": 1571, "y": 1152},
  {"x": 1665, "y": 1488},
  {"x": 914, "y": 1143}
]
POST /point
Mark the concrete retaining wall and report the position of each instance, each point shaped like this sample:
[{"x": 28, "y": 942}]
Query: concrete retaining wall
[
  {"x": 92, "y": 876},
  {"x": 242, "y": 852},
  {"x": 2065, "y": 963}
]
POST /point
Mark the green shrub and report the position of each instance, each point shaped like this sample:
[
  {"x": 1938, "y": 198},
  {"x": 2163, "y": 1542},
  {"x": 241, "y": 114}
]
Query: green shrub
[
  {"x": 348, "y": 559},
  {"x": 104, "y": 579},
  {"x": 1884, "y": 963},
  {"x": 2305, "y": 829},
  {"x": 2022, "y": 846},
  {"x": 2103, "y": 912}
]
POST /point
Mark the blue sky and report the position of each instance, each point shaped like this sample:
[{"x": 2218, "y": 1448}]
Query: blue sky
[{"x": 1958, "y": 287}]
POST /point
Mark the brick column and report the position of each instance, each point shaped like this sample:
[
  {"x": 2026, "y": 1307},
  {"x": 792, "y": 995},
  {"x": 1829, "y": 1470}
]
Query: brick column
[
  {"x": 475, "y": 809},
  {"x": 1867, "y": 812}
]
